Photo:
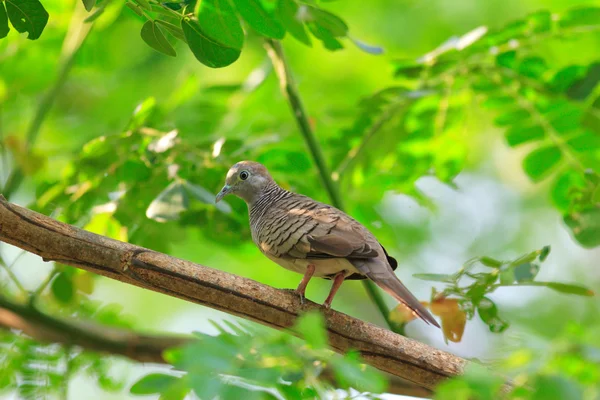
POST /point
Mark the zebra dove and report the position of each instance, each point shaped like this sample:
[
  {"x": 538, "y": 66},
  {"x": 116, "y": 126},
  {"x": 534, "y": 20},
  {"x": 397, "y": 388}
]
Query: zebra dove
[{"x": 313, "y": 238}]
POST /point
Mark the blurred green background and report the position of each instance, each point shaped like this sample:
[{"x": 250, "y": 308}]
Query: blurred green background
[{"x": 491, "y": 209}]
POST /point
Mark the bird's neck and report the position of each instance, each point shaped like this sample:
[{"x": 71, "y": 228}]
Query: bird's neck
[{"x": 262, "y": 199}]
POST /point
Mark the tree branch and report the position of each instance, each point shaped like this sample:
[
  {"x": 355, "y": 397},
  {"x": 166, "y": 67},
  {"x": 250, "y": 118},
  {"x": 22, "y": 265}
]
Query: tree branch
[
  {"x": 383, "y": 349},
  {"x": 93, "y": 337},
  {"x": 136, "y": 346}
]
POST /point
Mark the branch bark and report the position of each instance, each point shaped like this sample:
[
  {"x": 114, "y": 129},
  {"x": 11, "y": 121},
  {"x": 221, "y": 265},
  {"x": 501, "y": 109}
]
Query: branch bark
[{"x": 383, "y": 349}]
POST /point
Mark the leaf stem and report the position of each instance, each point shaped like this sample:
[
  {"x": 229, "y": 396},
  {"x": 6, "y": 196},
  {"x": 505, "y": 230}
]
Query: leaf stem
[{"x": 290, "y": 91}]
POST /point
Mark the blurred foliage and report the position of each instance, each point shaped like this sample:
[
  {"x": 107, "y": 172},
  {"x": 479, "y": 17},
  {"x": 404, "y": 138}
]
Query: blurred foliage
[
  {"x": 569, "y": 368},
  {"x": 551, "y": 107},
  {"x": 473, "y": 296},
  {"x": 246, "y": 362},
  {"x": 149, "y": 177}
]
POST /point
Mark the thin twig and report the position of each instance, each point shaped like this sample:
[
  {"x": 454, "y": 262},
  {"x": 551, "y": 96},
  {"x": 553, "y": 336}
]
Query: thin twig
[
  {"x": 12, "y": 276},
  {"x": 290, "y": 91}
]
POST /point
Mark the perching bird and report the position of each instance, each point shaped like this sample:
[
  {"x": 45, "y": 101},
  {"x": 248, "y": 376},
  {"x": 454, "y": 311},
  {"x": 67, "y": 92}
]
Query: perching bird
[{"x": 313, "y": 238}]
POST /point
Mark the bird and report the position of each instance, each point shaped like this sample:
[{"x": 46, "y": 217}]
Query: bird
[{"x": 313, "y": 238}]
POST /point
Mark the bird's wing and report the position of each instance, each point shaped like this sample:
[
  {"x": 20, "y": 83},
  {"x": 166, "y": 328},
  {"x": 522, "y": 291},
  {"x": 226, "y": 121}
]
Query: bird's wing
[{"x": 325, "y": 232}]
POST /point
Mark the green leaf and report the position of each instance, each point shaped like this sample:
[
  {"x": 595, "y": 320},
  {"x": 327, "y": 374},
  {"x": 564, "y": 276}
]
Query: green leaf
[
  {"x": 490, "y": 262},
  {"x": 153, "y": 383},
  {"x": 589, "y": 16},
  {"x": 533, "y": 67},
  {"x": 585, "y": 226},
  {"x": 62, "y": 288},
  {"x": 435, "y": 277},
  {"x": 488, "y": 312},
  {"x": 261, "y": 20},
  {"x": 507, "y": 276},
  {"x": 142, "y": 3},
  {"x": 544, "y": 253},
  {"x": 350, "y": 372},
  {"x": 568, "y": 288},
  {"x": 89, "y": 4},
  {"x": 311, "y": 326},
  {"x": 27, "y": 16},
  {"x": 205, "y": 49},
  {"x": 4, "y": 29},
  {"x": 512, "y": 117},
  {"x": 135, "y": 8},
  {"x": 217, "y": 20},
  {"x": 153, "y": 36},
  {"x": 331, "y": 22},
  {"x": 583, "y": 87},
  {"x": 288, "y": 14},
  {"x": 526, "y": 272},
  {"x": 507, "y": 59},
  {"x": 518, "y": 134},
  {"x": 539, "y": 163},
  {"x": 329, "y": 41},
  {"x": 527, "y": 258},
  {"x": 173, "y": 29}
]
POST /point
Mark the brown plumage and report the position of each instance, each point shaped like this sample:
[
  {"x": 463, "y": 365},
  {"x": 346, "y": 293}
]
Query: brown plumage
[{"x": 313, "y": 238}]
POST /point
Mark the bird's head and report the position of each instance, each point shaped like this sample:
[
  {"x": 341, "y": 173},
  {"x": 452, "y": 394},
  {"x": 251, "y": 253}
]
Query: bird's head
[{"x": 245, "y": 179}]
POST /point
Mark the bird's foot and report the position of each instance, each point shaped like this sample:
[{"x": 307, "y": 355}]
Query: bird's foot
[
  {"x": 327, "y": 306},
  {"x": 299, "y": 293}
]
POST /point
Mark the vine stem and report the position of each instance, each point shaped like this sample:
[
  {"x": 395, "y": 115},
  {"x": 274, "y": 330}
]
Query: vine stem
[
  {"x": 77, "y": 33},
  {"x": 290, "y": 91}
]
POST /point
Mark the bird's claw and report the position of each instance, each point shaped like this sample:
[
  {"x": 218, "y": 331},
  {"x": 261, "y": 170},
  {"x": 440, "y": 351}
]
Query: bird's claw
[{"x": 301, "y": 295}]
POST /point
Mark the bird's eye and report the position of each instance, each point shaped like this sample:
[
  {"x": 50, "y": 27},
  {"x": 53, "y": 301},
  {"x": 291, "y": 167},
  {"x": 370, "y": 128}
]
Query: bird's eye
[{"x": 244, "y": 175}]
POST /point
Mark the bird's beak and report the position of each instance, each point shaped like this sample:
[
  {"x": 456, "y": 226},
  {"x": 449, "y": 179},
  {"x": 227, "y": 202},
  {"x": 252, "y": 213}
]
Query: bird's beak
[{"x": 224, "y": 192}]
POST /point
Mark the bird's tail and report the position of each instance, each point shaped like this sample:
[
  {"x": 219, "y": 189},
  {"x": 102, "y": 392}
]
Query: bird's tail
[{"x": 391, "y": 284}]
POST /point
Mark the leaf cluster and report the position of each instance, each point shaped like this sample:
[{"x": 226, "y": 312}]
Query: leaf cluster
[
  {"x": 479, "y": 277},
  {"x": 245, "y": 362},
  {"x": 424, "y": 124}
]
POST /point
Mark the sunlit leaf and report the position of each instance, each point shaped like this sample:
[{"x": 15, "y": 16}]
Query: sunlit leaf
[
  {"x": 206, "y": 50},
  {"x": 219, "y": 23},
  {"x": 288, "y": 14},
  {"x": 153, "y": 383},
  {"x": 539, "y": 163},
  {"x": 312, "y": 328},
  {"x": 260, "y": 19},
  {"x": 349, "y": 372}
]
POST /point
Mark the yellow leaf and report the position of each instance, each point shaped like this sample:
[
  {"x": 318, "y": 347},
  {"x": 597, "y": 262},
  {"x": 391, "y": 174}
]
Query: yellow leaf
[{"x": 453, "y": 318}]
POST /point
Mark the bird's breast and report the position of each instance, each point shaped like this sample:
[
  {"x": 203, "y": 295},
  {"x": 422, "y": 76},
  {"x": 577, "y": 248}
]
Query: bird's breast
[{"x": 323, "y": 267}]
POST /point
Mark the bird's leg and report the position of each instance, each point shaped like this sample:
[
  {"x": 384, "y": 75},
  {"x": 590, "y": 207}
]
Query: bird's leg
[
  {"x": 310, "y": 270},
  {"x": 337, "y": 282}
]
